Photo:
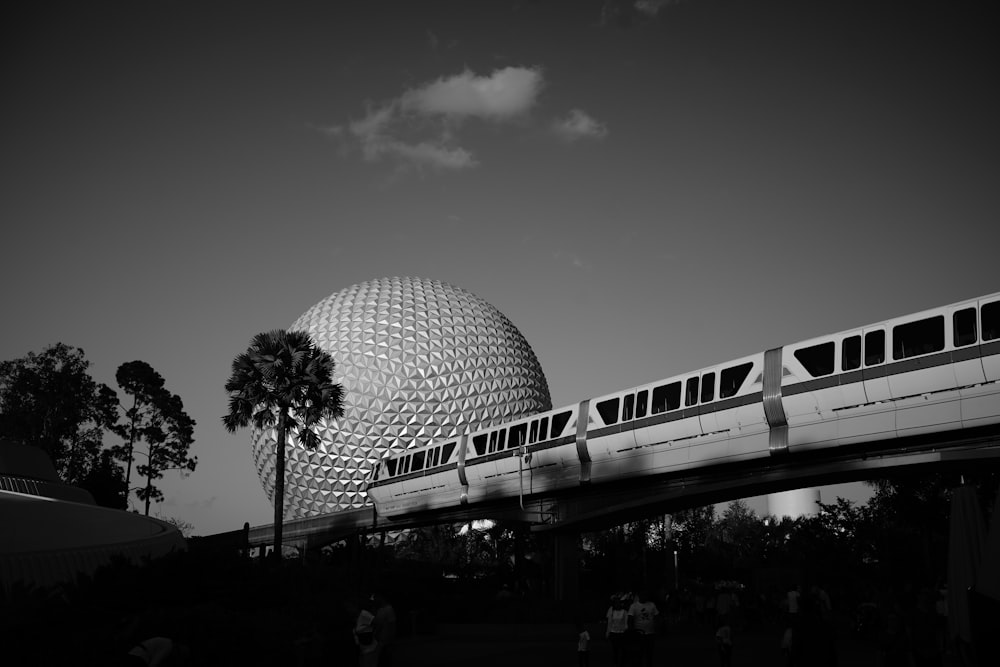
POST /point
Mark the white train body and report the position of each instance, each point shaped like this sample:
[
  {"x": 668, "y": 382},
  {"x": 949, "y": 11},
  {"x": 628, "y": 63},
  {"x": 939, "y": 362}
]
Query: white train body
[{"x": 936, "y": 370}]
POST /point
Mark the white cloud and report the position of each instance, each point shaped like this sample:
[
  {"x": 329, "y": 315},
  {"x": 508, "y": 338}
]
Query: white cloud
[
  {"x": 375, "y": 135},
  {"x": 579, "y": 125},
  {"x": 432, "y": 154},
  {"x": 419, "y": 127},
  {"x": 507, "y": 92}
]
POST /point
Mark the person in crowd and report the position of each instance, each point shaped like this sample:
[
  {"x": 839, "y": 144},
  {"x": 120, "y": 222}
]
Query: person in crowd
[
  {"x": 364, "y": 636},
  {"x": 793, "y": 599},
  {"x": 617, "y": 627},
  {"x": 384, "y": 628},
  {"x": 724, "y": 642},
  {"x": 582, "y": 644},
  {"x": 823, "y": 602},
  {"x": 642, "y": 620}
]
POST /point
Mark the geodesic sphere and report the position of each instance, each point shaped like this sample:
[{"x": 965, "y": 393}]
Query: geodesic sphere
[{"x": 418, "y": 360}]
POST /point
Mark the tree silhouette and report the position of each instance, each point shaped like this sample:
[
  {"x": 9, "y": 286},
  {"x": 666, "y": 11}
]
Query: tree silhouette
[
  {"x": 144, "y": 385},
  {"x": 157, "y": 418},
  {"x": 283, "y": 380},
  {"x": 169, "y": 440},
  {"x": 49, "y": 400},
  {"x": 105, "y": 481}
]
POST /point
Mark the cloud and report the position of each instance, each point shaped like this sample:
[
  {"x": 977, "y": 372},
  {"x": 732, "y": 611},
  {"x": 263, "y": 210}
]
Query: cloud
[
  {"x": 375, "y": 135},
  {"x": 652, "y": 7},
  {"x": 579, "y": 125},
  {"x": 419, "y": 127},
  {"x": 431, "y": 154},
  {"x": 506, "y": 93}
]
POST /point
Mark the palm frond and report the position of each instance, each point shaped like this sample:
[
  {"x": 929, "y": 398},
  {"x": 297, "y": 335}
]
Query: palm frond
[{"x": 283, "y": 371}]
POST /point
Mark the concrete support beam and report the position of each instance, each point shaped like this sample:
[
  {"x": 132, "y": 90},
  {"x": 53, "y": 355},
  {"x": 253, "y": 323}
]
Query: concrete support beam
[{"x": 566, "y": 566}]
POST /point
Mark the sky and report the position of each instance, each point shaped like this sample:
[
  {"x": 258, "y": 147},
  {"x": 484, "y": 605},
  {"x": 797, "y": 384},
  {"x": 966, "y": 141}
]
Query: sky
[{"x": 643, "y": 188}]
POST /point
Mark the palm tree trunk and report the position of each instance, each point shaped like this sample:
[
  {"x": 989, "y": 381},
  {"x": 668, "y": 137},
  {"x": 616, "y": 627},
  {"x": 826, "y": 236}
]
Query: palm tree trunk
[{"x": 279, "y": 482}]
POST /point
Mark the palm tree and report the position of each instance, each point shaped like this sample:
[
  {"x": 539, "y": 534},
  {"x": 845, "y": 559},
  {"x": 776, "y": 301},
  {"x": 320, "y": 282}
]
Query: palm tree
[{"x": 282, "y": 379}]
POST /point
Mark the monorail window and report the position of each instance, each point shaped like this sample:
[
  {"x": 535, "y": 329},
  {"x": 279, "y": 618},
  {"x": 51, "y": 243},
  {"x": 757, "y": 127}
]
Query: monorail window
[
  {"x": 608, "y": 410},
  {"x": 991, "y": 320},
  {"x": 915, "y": 338},
  {"x": 418, "y": 462},
  {"x": 390, "y": 465},
  {"x": 964, "y": 327},
  {"x": 497, "y": 439},
  {"x": 628, "y": 406},
  {"x": 640, "y": 403},
  {"x": 874, "y": 347},
  {"x": 543, "y": 429},
  {"x": 446, "y": 451},
  {"x": 707, "y": 387},
  {"x": 533, "y": 432},
  {"x": 666, "y": 397},
  {"x": 850, "y": 353},
  {"x": 517, "y": 434},
  {"x": 731, "y": 379},
  {"x": 559, "y": 422},
  {"x": 691, "y": 391},
  {"x": 817, "y": 359},
  {"x": 404, "y": 465},
  {"x": 434, "y": 457},
  {"x": 479, "y": 443}
]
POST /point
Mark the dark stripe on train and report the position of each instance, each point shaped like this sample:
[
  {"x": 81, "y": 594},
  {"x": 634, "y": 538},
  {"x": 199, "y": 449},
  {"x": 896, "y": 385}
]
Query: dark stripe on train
[
  {"x": 476, "y": 460},
  {"x": 512, "y": 451},
  {"x": 885, "y": 370},
  {"x": 678, "y": 414},
  {"x": 850, "y": 377},
  {"x": 966, "y": 353},
  {"x": 415, "y": 475}
]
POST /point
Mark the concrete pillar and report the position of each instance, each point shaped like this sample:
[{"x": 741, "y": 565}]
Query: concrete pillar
[
  {"x": 566, "y": 566},
  {"x": 795, "y": 503}
]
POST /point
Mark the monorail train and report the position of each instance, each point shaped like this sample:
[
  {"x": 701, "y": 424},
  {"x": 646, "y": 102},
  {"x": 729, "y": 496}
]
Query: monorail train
[{"x": 936, "y": 370}]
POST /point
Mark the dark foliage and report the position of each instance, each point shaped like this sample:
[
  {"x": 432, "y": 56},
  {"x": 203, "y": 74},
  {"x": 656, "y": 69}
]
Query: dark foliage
[
  {"x": 157, "y": 418},
  {"x": 49, "y": 400},
  {"x": 225, "y": 609}
]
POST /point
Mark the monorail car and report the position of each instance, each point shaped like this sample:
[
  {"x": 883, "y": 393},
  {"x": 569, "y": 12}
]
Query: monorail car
[{"x": 936, "y": 370}]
